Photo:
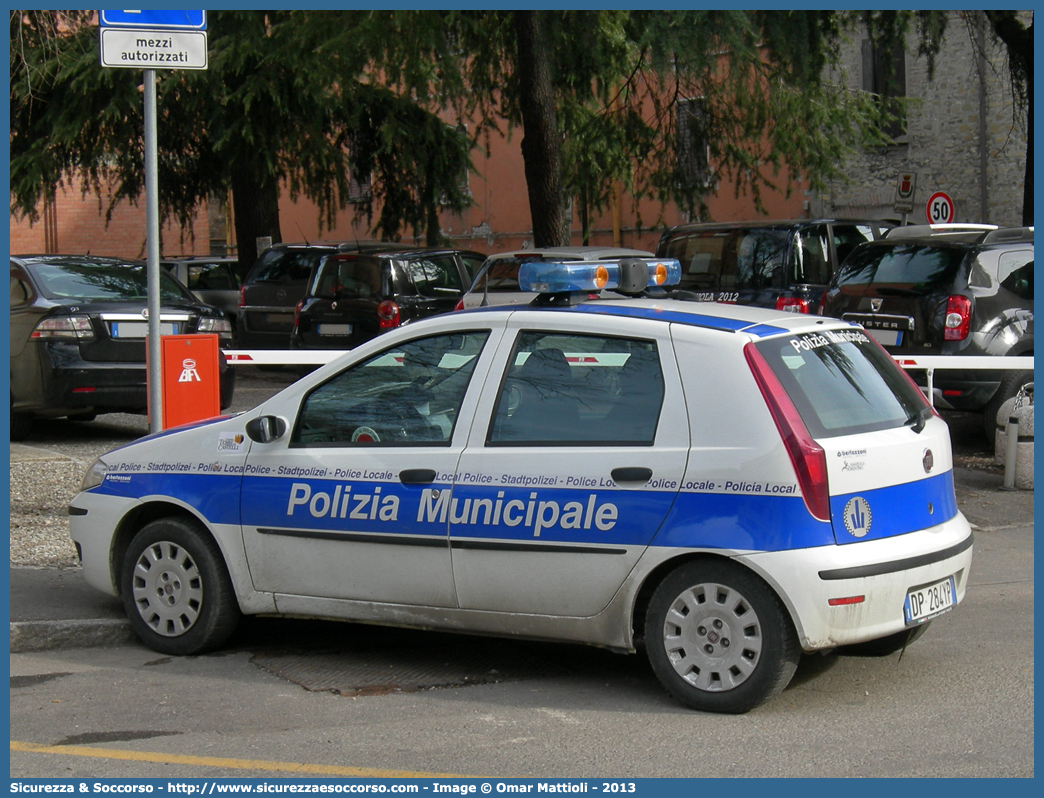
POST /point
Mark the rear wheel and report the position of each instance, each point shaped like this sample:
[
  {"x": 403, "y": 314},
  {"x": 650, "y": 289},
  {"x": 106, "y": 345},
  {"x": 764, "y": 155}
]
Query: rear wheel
[
  {"x": 719, "y": 639},
  {"x": 176, "y": 589}
]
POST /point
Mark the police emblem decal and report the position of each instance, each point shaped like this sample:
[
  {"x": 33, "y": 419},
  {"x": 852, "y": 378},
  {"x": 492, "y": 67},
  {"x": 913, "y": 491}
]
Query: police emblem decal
[{"x": 857, "y": 517}]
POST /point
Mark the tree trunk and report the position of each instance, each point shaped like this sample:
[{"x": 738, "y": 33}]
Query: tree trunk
[
  {"x": 1019, "y": 41},
  {"x": 541, "y": 141},
  {"x": 255, "y": 209}
]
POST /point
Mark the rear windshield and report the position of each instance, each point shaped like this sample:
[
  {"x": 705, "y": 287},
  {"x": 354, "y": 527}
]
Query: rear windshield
[
  {"x": 730, "y": 259},
  {"x": 841, "y": 382},
  {"x": 103, "y": 282},
  {"x": 285, "y": 266},
  {"x": 901, "y": 270}
]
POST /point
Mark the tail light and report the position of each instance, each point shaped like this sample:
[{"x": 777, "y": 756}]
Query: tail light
[
  {"x": 807, "y": 456},
  {"x": 387, "y": 315},
  {"x": 242, "y": 295},
  {"x": 459, "y": 305},
  {"x": 75, "y": 328},
  {"x": 297, "y": 313},
  {"x": 792, "y": 304},
  {"x": 958, "y": 318}
]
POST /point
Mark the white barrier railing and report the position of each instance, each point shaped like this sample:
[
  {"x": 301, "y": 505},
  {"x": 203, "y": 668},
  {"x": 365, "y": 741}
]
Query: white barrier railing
[{"x": 927, "y": 363}]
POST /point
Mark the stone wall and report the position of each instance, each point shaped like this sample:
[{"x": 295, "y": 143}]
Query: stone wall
[{"x": 944, "y": 137}]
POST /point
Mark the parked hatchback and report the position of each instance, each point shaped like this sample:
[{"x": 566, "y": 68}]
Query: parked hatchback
[
  {"x": 721, "y": 487},
  {"x": 277, "y": 282},
  {"x": 783, "y": 265},
  {"x": 354, "y": 296},
  {"x": 78, "y": 327},
  {"x": 946, "y": 290}
]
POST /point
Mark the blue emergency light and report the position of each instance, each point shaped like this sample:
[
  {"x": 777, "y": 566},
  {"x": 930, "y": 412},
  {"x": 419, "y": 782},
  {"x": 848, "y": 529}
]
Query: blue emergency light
[{"x": 555, "y": 277}]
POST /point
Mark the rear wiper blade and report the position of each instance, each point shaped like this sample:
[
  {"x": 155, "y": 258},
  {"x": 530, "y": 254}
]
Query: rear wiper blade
[{"x": 918, "y": 418}]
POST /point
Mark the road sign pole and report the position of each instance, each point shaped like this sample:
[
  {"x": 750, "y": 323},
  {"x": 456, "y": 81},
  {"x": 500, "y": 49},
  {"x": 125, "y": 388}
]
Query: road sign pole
[{"x": 152, "y": 249}]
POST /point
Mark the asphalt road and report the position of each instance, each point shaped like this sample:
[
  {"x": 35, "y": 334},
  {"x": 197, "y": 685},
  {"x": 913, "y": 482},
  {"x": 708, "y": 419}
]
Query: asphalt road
[{"x": 311, "y": 699}]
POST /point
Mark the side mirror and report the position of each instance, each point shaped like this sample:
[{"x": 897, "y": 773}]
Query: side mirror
[{"x": 266, "y": 429}]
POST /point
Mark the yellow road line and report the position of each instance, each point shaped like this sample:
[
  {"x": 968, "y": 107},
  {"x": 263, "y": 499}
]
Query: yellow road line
[{"x": 221, "y": 762}]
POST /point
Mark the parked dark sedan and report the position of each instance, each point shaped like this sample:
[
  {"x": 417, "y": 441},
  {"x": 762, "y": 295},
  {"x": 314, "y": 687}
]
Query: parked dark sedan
[
  {"x": 78, "y": 327},
  {"x": 354, "y": 296}
]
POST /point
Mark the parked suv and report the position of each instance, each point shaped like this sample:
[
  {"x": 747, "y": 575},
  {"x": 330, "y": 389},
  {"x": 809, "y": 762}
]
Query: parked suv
[
  {"x": 276, "y": 283},
  {"x": 354, "y": 296},
  {"x": 782, "y": 265},
  {"x": 946, "y": 290}
]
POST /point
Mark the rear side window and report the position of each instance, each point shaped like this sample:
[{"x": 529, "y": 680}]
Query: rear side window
[
  {"x": 734, "y": 259},
  {"x": 841, "y": 382},
  {"x": 1015, "y": 270},
  {"x": 435, "y": 276},
  {"x": 212, "y": 276},
  {"x": 903, "y": 270},
  {"x": 579, "y": 390}
]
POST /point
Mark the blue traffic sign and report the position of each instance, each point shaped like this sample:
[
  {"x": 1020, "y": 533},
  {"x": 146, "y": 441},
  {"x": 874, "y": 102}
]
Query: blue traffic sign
[{"x": 171, "y": 20}]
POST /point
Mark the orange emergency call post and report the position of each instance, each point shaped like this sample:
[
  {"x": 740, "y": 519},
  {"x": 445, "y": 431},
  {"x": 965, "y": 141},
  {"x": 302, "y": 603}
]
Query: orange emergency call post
[{"x": 190, "y": 379}]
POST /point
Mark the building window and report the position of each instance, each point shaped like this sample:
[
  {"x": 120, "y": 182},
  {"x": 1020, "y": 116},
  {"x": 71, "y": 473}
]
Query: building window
[
  {"x": 884, "y": 74},
  {"x": 693, "y": 149},
  {"x": 359, "y": 188}
]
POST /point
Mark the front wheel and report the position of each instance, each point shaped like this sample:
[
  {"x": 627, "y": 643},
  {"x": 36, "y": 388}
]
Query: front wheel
[
  {"x": 718, "y": 638},
  {"x": 176, "y": 589}
]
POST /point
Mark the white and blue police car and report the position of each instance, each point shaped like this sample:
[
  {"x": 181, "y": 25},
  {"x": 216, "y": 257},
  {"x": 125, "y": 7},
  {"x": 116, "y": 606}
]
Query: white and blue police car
[{"x": 725, "y": 486}]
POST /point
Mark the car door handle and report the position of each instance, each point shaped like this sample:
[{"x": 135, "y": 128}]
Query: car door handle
[
  {"x": 633, "y": 474},
  {"x": 417, "y": 476}
]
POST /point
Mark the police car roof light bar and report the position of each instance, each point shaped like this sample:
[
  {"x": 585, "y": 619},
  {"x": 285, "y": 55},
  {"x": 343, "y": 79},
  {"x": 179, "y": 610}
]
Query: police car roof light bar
[{"x": 570, "y": 277}]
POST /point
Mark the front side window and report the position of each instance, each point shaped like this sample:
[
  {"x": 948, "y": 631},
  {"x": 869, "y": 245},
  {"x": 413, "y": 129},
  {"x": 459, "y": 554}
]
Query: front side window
[
  {"x": 579, "y": 390},
  {"x": 212, "y": 277},
  {"x": 408, "y": 395}
]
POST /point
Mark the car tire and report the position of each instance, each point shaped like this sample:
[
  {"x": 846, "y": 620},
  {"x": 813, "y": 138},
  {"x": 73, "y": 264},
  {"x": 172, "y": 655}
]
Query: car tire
[
  {"x": 719, "y": 639},
  {"x": 1010, "y": 385},
  {"x": 884, "y": 646},
  {"x": 176, "y": 590},
  {"x": 21, "y": 426}
]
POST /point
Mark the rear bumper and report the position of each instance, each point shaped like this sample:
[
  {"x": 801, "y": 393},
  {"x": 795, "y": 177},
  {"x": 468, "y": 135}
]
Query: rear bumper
[{"x": 881, "y": 571}]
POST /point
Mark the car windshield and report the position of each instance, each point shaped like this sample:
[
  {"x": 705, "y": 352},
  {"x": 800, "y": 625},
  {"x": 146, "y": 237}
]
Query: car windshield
[
  {"x": 841, "y": 382},
  {"x": 905, "y": 269},
  {"x": 90, "y": 281}
]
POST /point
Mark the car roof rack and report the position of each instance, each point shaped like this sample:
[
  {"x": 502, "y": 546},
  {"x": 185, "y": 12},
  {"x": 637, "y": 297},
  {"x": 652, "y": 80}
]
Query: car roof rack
[
  {"x": 938, "y": 230},
  {"x": 1009, "y": 235}
]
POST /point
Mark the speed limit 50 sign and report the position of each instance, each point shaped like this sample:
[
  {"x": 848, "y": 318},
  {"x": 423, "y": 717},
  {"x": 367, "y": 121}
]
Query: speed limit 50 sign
[{"x": 939, "y": 209}]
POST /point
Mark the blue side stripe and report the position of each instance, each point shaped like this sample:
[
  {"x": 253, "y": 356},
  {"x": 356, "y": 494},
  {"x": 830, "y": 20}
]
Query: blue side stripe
[{"x": 678, "y": 317}]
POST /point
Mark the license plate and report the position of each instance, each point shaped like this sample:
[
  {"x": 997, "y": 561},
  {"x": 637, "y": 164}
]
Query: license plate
[
  {"x": 280, "y": 318},
  {"x": 138, "y": 329},
  {"x": 886, "y": 337},
  {"x": 925, "y": 602},
  {"x": 335, "y": 329}
]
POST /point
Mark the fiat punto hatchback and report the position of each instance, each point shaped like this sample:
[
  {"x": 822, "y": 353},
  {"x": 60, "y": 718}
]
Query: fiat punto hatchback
[{"x": 723, "y": 486}]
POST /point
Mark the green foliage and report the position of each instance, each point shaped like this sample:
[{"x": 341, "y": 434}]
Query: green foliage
[{"x": 279, "y": 101}]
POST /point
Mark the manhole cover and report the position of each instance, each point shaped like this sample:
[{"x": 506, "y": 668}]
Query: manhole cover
[{"x": 377, "y": 672}]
